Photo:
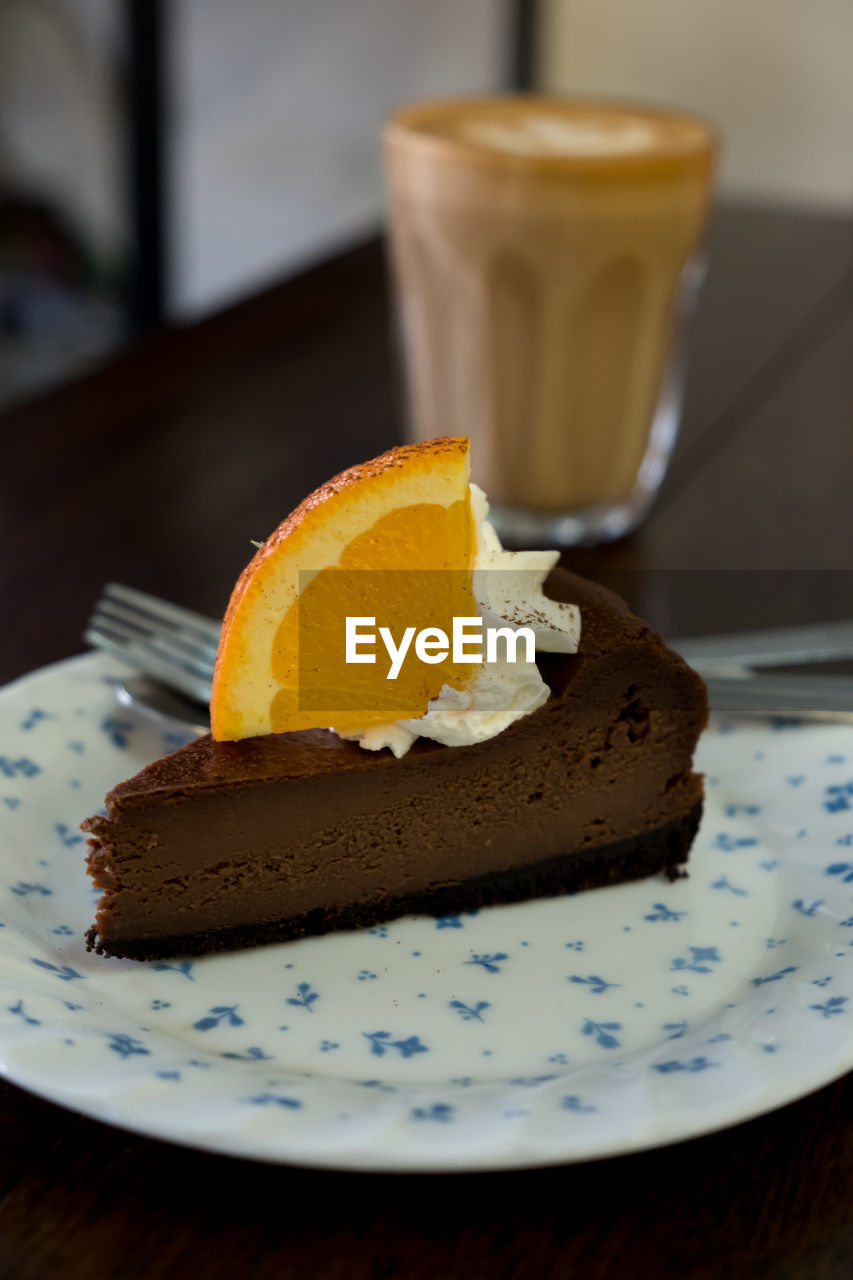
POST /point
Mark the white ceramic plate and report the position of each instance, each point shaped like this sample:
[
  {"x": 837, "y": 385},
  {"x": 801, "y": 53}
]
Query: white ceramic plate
[{"x": 547, "y": 1032}]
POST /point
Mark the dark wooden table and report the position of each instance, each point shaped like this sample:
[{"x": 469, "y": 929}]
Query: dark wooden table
[{"x": 156, "y": 470}]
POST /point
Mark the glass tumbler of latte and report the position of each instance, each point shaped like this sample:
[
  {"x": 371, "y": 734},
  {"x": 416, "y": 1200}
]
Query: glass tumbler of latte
[{"x": 545, "y": 258}]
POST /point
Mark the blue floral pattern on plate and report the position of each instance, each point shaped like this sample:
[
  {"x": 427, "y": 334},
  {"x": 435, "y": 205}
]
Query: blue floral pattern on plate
[{"x": 540, "y": 1033}]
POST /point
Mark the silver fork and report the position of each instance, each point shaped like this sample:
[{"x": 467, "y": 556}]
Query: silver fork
[
  {"x": 178, "y": 648},
  {"x": 174, "y": 645}
]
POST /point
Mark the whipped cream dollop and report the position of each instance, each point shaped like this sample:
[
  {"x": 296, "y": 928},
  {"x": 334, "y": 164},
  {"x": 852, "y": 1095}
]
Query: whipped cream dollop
[{"x": 508, "y": 591}]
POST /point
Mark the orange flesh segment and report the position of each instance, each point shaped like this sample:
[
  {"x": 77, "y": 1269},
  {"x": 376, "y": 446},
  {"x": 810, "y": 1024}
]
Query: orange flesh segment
[
  {"x": 420, "y": 598},
  {"x": 380, "y": 519}
]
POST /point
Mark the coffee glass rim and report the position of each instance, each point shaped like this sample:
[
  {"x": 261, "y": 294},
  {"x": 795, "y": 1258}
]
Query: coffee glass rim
[{"x": 408, "y": 127}]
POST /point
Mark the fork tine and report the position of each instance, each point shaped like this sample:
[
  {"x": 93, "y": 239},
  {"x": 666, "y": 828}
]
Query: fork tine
[
  {"x": 111, "y": 614},
  {"x": 166, "y": 665},
  {"x": 163, "y": 611},
  {"x": 170, "y": 643},
  {"x": 170, "y": 648}
]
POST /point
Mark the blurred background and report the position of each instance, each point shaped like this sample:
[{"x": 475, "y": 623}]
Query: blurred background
[{"x": 160, "y": 159}]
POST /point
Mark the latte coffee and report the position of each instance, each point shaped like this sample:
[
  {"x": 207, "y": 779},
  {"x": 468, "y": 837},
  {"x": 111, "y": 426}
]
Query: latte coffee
[{"x": 539, "y": 249}]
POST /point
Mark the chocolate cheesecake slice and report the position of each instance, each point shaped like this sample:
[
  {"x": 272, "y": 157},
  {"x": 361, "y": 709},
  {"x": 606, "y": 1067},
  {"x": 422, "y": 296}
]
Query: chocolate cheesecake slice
[{"x": 231, "y": 844}]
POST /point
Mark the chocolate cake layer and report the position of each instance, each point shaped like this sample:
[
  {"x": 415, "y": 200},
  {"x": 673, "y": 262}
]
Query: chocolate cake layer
[
  {"x": 662, "y": 851},
  {"x": 233, "y": 840}
]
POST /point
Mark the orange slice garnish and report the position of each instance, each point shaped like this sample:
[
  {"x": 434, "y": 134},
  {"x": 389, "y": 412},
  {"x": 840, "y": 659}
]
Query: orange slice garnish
[{"x": 392, "y": 539}]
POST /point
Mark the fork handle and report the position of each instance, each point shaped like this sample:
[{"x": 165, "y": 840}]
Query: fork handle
[
  {"x": 801, "y": 697},
  {"x": 823, "y": 642}
]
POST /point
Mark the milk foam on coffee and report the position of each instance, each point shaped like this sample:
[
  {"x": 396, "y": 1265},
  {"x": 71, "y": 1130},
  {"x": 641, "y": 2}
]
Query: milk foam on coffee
[
  {"x": 552, "y": 135},
  {"x": 538, "y": 247}
]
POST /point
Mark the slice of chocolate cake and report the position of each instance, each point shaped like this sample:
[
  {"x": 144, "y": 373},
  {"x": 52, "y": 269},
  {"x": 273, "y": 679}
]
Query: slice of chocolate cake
[{"x": 230, "y": 844}]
